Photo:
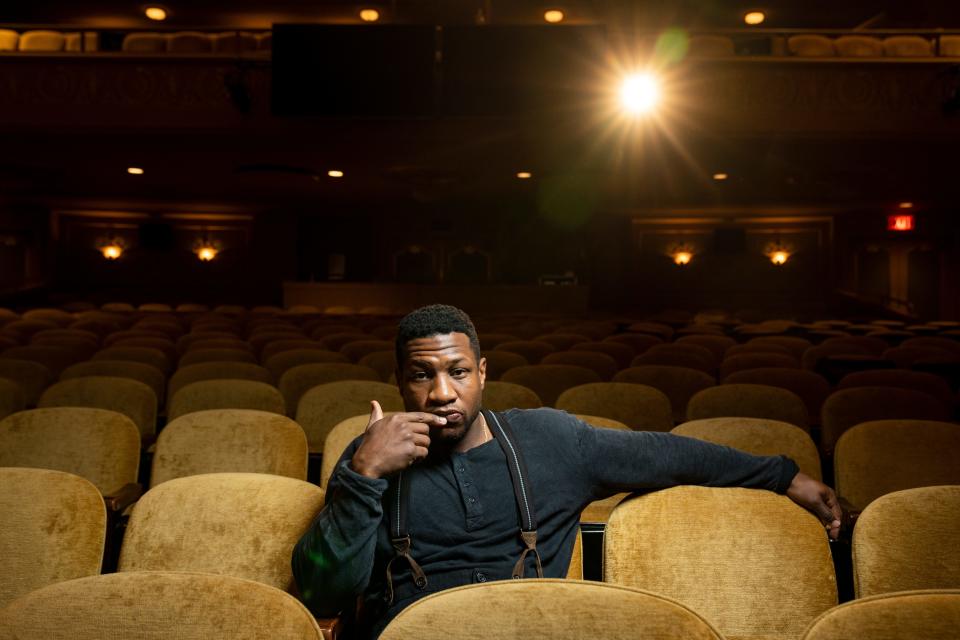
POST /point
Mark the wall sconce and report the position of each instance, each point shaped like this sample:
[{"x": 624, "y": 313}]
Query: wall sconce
[
  {"x": 681, "y": 254},
  {"x": 778, "y": 253},
  {"x": 205, "y": 249},
  {"x": 112, "y": 250}
]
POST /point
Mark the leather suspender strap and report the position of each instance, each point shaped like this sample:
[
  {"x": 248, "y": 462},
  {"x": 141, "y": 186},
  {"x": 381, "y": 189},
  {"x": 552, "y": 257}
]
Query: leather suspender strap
[
  {"x": 398, "y": 500},
  {"x": 522, "y": 491}
]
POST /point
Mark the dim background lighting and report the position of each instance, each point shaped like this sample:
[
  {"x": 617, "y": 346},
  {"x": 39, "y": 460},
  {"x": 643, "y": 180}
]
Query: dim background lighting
[
  {"x": 753, "y": 18},
  {"x": 135, "y": 171},
  {"x": 206, "y": 253},
  {"x": 682, "y": 257},
  {"x": 369, "y": 15},
  {"x": 524, "y": 175},
  {"x": 720, "y": 176},
  {"x": 112, "y": 251},
  {"x": 906, "y": 205},
  {"x": 640, "y": 93},
  {"x": 156, "y": 13},
  {"x": 900, "y": 223},
  {"x": 779, "y": 257},
  {"x": 335, "y": 173},
  {"x": 553, "y": 16}
]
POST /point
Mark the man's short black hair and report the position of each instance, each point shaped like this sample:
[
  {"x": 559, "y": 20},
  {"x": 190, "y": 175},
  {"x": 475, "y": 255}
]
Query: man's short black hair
[{"x": 432, "y": 320}]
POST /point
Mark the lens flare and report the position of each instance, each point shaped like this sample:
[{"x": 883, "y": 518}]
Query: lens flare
[{"x": 640, "y": 93}]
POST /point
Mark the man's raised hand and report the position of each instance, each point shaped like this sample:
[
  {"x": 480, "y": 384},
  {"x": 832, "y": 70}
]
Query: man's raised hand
[{"x": 394, "y": 443}]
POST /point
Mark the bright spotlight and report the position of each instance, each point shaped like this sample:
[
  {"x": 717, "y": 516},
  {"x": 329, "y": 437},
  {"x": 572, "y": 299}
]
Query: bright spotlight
[
  {"x": 553, "y": 16},
  {"x": 753, "y": 18},
  {"x": 640, "y": 93},
  {"x": 369, "y": 15},
  {"x": 156, "y": 13}
]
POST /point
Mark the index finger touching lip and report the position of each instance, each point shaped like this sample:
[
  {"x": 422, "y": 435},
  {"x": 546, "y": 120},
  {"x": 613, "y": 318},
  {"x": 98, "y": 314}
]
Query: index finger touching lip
[{"x": 426, "y": 418}]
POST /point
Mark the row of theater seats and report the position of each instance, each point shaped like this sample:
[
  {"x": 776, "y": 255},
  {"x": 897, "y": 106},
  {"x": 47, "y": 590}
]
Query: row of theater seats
[
  {"x": 711, "y": 46},
  {"x": 227, "y": 42},
  {"x": 772, "y": 577}
]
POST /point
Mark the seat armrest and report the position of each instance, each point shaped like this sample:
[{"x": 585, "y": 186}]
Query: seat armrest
[
  {"x": 331, "y": 628},
  {"x": 849, "y": 519},
  {"x": 124, "y": 497}
]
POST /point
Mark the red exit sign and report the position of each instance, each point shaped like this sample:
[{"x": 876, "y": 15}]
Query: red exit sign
[{"x": 900, "y": 223}]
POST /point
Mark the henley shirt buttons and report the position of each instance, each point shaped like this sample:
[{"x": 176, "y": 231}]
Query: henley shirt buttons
[
  {"x": 472, "y": 500},
  {"x": 480, "y": 576}
]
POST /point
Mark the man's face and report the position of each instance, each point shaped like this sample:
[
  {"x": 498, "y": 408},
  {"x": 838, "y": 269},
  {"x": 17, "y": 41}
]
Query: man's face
[{"x": 440, "y": 374}]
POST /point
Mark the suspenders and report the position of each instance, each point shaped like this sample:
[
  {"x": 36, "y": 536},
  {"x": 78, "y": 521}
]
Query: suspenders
[{"x": 398, "y": 501}]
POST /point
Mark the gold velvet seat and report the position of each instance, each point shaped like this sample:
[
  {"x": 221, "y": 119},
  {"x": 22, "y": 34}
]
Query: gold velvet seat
[
  {"x": 326, "y": 405},
  {"x": 490, "y": 340},
  {"x": 795, "y": 345},
  {"x": 148, "y": 375},
  {"x": 296, "y": 381},
  {"x": 280, "y": 363},
  {"x": 127, "y": 334},
  {"x": 678, "y": 383},
  {"x": 638, "y": 406},
  {"x": 12, "y": 397},
  {"x": 749, "y": 401},
  {"x": 902, "y": 379},
  {"x": 229, "y": 370},
  {"x": 600, "y": 363},
  {"x": 757, "y": 347},
  {"x": 907, "y": 540},
  {"x": 533, "y": 350},
  {"x": 238, "y": 524},
  {"x": 147, "y": 355},
  {"x": 154, "y": 605},
  {"x": 225, "y": 394},
  {"x": 99, "y": 445},
  {"x": 929, "y": 614},
  {"x": 548, "y": 609},
  {"x": 383, "y": 362},
  {"x": 337, "y": 441},
  {"x": 751, "y": 561},
  {"x": 811, "y": 387},
  {"x": 286, "y": 344},
  {"x": 665, "y": 355},
  {"x": 622, "y": 353},
  {"x": 499, "y": 362},
  {"x": 132, "y": 398},
  {"x": 717, "y": 344},
  {"x": 747, "y": 361},
  {"x": 55, "y": 359},
  {"x": 759, "y": 437},
  {"x": 53, "y": 529},
  {"x": 562, "y": 341},
  {"x": 500, "y": 396},
  {"x": 230, "y": 440},
  {"x": 210, "y": 332},
  {"x": 549, "y": 381},
  {"x": 335, "y": 341},
  {"x": 167, "y": 346},
  {"x": 639, "y": 342},
  {"x": 216, "y": 355},
  {"x": 848, "y": 407},
  {"x": 883, "y": 456},
  {"x": 357, "y": 349},
  {"x": 601, "y": 422}
]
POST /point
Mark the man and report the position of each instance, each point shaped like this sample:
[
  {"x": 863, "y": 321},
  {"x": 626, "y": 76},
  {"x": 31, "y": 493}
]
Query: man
[{"x": 426, "y": 500}]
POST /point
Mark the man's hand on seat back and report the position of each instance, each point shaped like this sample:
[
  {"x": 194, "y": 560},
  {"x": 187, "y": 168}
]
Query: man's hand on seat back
[{"x": 819, "y": 499}]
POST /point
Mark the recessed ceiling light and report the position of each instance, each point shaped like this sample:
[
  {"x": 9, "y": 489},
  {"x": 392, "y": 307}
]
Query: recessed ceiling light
[
  {"x": 640, "y": 93},
  {"x": 553, "y": 16},
  {"x": 155, "y": 13},
  {"x": 369, "y": 15},
  {"x": 906, "y": 205},
  {"x": 720, "y": 176},
  {"x": 135, "y": 171},
  {"x": 335, "y": 173},
  {"x": 524, "y": 175},
  {"x": 753, "y": 18}
]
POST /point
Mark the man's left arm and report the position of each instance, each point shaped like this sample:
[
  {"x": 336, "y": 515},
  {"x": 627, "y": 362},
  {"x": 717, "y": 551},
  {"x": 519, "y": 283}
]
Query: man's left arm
[{"x": 629, "y": 460}]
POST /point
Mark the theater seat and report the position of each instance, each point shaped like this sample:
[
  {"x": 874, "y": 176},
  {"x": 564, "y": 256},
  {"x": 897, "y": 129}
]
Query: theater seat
[
  {"x": 907, "y": 47},
  {"x": 324, "y": 406},
  {"x": 638, "y": 406},
  {"x": 41, "y": 40},
  {"x": 132, "y": 398},
  {"x": 151, "y": 605},
  {"x": 226, "y": 394},
  {"x": 749, "y": 401},
  {"x": 8, "y": 40},
  {"x": 931, "y": 615},
  {"x": 549, "y": 609},
  {"x": 500, "y": 396}
]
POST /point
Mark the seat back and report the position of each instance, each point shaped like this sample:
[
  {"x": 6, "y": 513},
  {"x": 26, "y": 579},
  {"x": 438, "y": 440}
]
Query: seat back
[
  {"x": 748, "y": 401},
  {"x": 8, "y": 40},
  {"x": 32, "y": 377},
  {"x": 500, "y": 396},
  {"x": 41, "y": 40},
  {"x": 145, "y": 373},
  {"x": 679, "y": 384},
  {"x": 882, "y": 456},
  {"x": 638, "y": 406},
  {"x": 848, "y": 407},
  {"x": 132, "y": 398},
  {"x": 598, "y": 421},
  {"x": 888, "y": 556},
  {"x": 216, "y": 355},
  {"x": 152, "y": 605},
  {"x": 238, "y": 524},
  {"x": 550, "y": 609},
  {"x": 600, "y": 363},
  {"x": 907, "y": 47},
  {"x": 858, "y": 46},
  {"x": 499, "y": 362},
  {"x": 769, "y": 578},
  {"x": 324, "y": 406},
  {"x": 931, "y": 615},
  {"x": 53, "y": 529},
  {"x": 337, "y": 441},
  {"x": 226, "y": 394},
  {"x": 99, "y": 445},
  {"x": 12, "y": 397},
  {"x": 759, "y": 437},
  {"x": 548, "y": 381},
  {"x": 217, "y": 370},
  {"x": 230, "y": 440}
]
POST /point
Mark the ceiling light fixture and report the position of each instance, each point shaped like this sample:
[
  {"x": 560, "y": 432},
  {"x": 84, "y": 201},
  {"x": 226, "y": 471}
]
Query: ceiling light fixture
[
  {"x": 524, "y": 175},
  {"x": 720, "y": 177},
  {"x": 906, "y": 205},
  {"x": 640, "y": 93},
  {"x": 553, "y": 16},
  {"x": 369, "y": 15},
  {"x": 135, "y": 171},
  {"x": 155, "y": 13},
  {"x": 112, "y": 251},
  {"x": 754, "y": 18},
  {"x": 335, "y": 173}
]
